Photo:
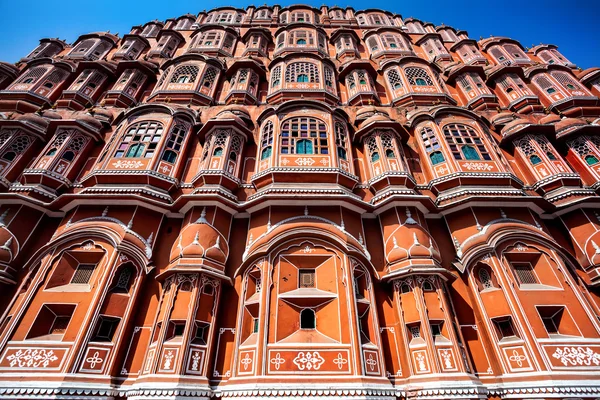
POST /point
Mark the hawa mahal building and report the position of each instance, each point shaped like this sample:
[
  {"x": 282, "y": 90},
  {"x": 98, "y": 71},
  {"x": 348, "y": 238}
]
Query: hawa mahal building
[{"x": 285, "y": 203}]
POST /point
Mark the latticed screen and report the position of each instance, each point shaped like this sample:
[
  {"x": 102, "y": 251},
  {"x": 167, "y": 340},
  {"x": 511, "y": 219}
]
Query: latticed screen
[
  {"x": 307, "y": 278},
  {"x": 525, "y": 273},
  {"x": 174, "y": 143},
  {"x": 464, "y": 143},
  {"x": 340, "y": 140},
  {"x": 140, "y": 140},
  {"x": 304, "y": 136},
  {"x": 394, "y": 79},
  {"x": 185, "y": 74},
  {"x": 83, "y": 273},
  {"x": 302, "y": 72},
  {"x": 209, "y": 77},
  {"x": 266, "y": 141},
  {"x": 566, "y": 81},
  {"x": 418, "y": 76}
]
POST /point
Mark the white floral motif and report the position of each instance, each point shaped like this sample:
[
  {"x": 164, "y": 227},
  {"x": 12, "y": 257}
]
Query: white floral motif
[
  {"x": 32, "y": 358},
  {"x": 307, "y": 249},
  {"x": 325, "y": 161},
  {"x": 340, "y": 361},
  {"x": 127, "y": 164},
  {"x": 421, "y": 362},
  {"x": 577, "y": 356},
  {"x": 441, "y": 170},
  {"x": 95, "y": 359},
  {"x": 285, "y": 161},
  {"x": 305, "y": 161},
  {"x": 309, "y": 360},
  {"x": 517, "y": 358},
  {"x": 472, "y": 166},
  {"x": 168, "y": 360},
  {"x": 246, "y": 361},
  {"x": 278, "y": 360},
  {"x": 371, "y": 362},
  {"x": 447, "y": 357},
  {"x": 195, "y": 361}
]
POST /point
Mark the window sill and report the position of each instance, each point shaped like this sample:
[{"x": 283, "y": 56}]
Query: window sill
[
  {"x": 524, "y": 287},
  {"x": 70, "y": 288},
  {"x": 510, "y": 340}
]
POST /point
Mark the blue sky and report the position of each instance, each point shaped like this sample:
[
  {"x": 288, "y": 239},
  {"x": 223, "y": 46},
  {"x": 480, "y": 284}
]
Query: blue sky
[{"x": 571, "y": 25}]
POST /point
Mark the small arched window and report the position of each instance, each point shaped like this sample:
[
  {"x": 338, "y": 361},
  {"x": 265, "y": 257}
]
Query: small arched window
[
  {"x": 418, "y": 76},
  {"x": 375, "y": 156},
  {"x": 535, "y": 159},
  {"x": 485, "y": 279},
  {"x": 266, "y": 143},
  {"x": 218, "y": 151},
  {"x": 51, "y": 152},
  {"x": 302, "y": 72},
  {"x": 9, "y": 155},
  {"x": 308, "y": 319},
  {"x": 209, "y": 77},
  {"x": 469, "y": 153},
  {"x": 427, "y": 286},
  {"x": 185, "y": 74},
  {"x": 405, "y": 289},
  {"x": 68, "y": 155},
  {"x": 276, "y": 76},
  {"x": 340, "y": 140},
  {"x": 394, "y": 79},
  {"x": 551, "y": 156},
  {"x": 123, "y": 281},
  {"x": 551, "y": 90},
  {"x": 436, "y": 157},
  {"x": 389, "y": 153},
  {"x": 591, "y": 160}
]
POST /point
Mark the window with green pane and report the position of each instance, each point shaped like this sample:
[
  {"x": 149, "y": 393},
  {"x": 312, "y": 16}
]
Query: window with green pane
[
  {"x": 304, "y": 135},
  {"x": 465, "y": 143},
  {"x": 140, "y": 140}
]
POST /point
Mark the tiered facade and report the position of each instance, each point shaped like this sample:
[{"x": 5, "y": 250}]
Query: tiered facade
[{"x": 298, "y": 202}]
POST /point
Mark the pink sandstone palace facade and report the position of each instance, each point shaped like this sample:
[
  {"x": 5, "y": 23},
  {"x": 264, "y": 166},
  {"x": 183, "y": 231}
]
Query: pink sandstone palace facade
[{"x": 292, "y": 202}]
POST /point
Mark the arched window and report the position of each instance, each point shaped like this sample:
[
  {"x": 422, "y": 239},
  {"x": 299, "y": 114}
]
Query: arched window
[
  {"x": 551, "y": 155},
  {"x": 209, "y": 77},
  {"x": 174, "y": 143},
  {"x": 350, "y": 82},
  {"x": 389, "y": 153},
  {"x": 308, "y": 319},
  {"x": 276, "y": 76},
  {"x": 340, "y": 140},
  {"x": 418, "y": 76},
  {"x": 405, "y": 288},
  {"x": 123, "y": 280},
  {"x": 465, "y": 143},
  {"x": 51, "y": 152},
  {"x": 485, "y": 279},
  {"x": 428, "y": 287},
  {"x": 567, "y": 81},
  {"x": 394, "y": 79},
  {"x": 375, "y": 156},
  {"x": 266, "y": 143},
  {"x": 469, "y": 153},
  {"x": 432, "y": 146},
  {"x": 140, "y": 140},
  {"x": 591, "y": 160},
  {"x": 218, "y": 151},
  {"x": 185, "y": 74},
  {"x": 302, "y": 72},
  {"x": 535, "y": 159},
  {"x": 436, "y": 157},
  {"x": 304, "y": 136}
]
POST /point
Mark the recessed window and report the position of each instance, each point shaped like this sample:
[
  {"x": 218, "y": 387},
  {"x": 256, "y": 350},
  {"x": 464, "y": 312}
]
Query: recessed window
[
  {"x": 51, "y": 322},
  {"x": 551, "y": 156},
  {"x": 551, "y": 90},
  {"x": 551, "y": 318},
  {"x": 302, "y": 78},
  {"x": 504, "y": 328},
  {"x": 201, "y": 333},
  {"x": 436, "y": 329},
  {"x": 255, "y": 325},
  {"x": 106, "y": 328},
  {"x": 591, "y": 160},
  {"x": 572, "y": 87},
  {"x": 375, "y": 157},
  {"x": 301, "y": 41},
  {"x": 308, "y": 319},
  {"x": 83, "y": 273},
  {"x": 428, "y": 287},
  {"x": 525, "y": 273},
  {"x": 535, "y": 159},
  {"x": 485, "y": 279},
  {"x": 436, "y": 157},
  {"x": 415, "y": 331},
  {"x": 307, "y": 278},
  {"x": 420, "y": 82}
]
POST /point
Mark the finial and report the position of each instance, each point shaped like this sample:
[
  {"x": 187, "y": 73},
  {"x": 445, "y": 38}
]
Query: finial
[
  {"x": 218, "y": 242},
  {"x": 105, "y": 212},
  {"x": 409, "y": 219},
  {"x": 342, "y": 225},
  {"x": 130, "y": 224},
  {"x": 596, "y": 247},
  {"x": 502, "y": 214},
  {"x": 415, "y": 239},
  {"x": 305, "y": 210},
  {"x": 360, "y": 239},
  {"x": 150, "y": 238},
  {"x": 202, "y": 219},
  {"x": 196, "y": 238},
  {"x": 395, "y": 242},
  {"x": 3, "y": 216}
]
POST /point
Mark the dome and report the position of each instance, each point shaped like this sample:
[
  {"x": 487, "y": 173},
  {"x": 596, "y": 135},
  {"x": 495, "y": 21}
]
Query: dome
[
  {"x": 87, "y": 119},
  {"x": 411, "y": 244},
  {"x": 35, "y": 120},
  {"x": 550, "y": 119},
  {"x": 103, "y": 115},
  {"x": 367, "y": 112},
  {"x": 200, "y": 240},
  {"x": 502, "y": 118}
]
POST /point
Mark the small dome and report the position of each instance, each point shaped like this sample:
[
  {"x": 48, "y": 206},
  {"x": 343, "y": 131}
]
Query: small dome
[
  {"x": 103, "y": 115},
  {"x": 51, "y": 114},
  {"x": 550, "y": 119},
  {"x": 88, "y": 119},
  {"x": 378, "y": 117},
  {"x": 411, "y": 242},
  {"x": 200, "y": 240},
  {"x": 35, "y": 120},
  {"x": 569, "y": 123},
  {"x": 366, "y": 112},
  {"x": 516, "y": 125},
  {"x": 502, "y": 118}
]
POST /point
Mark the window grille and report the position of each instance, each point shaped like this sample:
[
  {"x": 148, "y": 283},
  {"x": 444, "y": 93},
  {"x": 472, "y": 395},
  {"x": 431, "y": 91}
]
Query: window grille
[
  {"x": 372, "y": 42},
  {"x": 498, "y": 54},
  {"x": 19, "y": 144},
  {"x": 55, "y": 77},
  {"x": 328, "y": 77},
  {"x": 466, "y": 85},
  {"x": 525, "y": 273},
  {"x": 300, "y": 17},
  {"x": 83, "y": 273},
  {"x": 150, "y": 30},
  {"x": 307, "y": 278},
  {"x": 350, "y": 81},
  {"x": 33, "y": 75},
  {"x": 394, "y": 79},
  {"x": 295, "y": 70},
  {"x": 417, "y": 75},
  {"x": 515, "y": 51},
  {"x": 185, "y": 74},
  {"x": 123, "y": 279},
  {"x": 140, "y": 140},
  {"x": 209, "y": 77},
  {"x": 361, "y": 19},
  {"x": 340, "y": 140},
  {"x": 393, "y": 42},
  {"x": 465, "y": 143},
  {"x": 566, "y": 81},
  {"x": 163, "y": 78},
  {"x": 485, "y": 279},
  {"x": 228, "y": 43},
  {"x": 304, "y": 136},
  {"x": 174, "y": 143},
  {"x": 266, "y": 141},
  {"x": 504, "y": 327},
  {"x": 415, "y": 332}
]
